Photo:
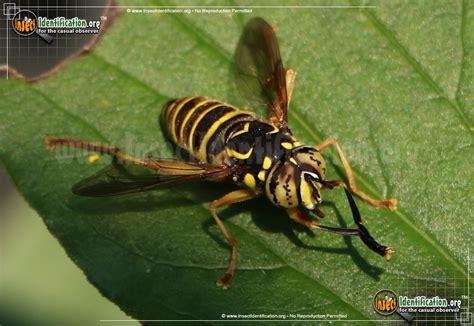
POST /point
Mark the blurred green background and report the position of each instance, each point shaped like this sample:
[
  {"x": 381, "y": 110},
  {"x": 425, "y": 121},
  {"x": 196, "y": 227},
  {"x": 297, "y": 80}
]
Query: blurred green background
[{"x": 39, "y": 284}]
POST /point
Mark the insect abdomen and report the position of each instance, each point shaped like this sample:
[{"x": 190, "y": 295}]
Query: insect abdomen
[{"x": 198, "y": 125}]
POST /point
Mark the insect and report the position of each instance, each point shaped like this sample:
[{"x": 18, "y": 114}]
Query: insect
[{"x": 227, "y": 144}]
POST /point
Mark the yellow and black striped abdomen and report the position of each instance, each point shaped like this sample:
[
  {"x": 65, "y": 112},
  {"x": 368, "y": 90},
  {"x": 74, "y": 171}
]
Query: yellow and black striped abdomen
[{"x": 199, "y": 124}]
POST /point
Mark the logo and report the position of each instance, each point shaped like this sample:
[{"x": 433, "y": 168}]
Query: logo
[
  {"x": 24, "y": 23},
  {"x": 385, "y": 302}
]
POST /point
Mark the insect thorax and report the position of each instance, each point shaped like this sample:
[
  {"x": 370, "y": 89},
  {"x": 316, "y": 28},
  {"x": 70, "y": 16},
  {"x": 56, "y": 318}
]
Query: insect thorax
[{"x": 275, "y": 162}]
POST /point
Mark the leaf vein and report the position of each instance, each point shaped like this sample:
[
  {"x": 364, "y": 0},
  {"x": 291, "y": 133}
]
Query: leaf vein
[
  {"x": 57, "y": 107},
  {"x": 403, "y": 51},
  {"x": 463, "y": 54},
  {"x": 155, "y": 262}
]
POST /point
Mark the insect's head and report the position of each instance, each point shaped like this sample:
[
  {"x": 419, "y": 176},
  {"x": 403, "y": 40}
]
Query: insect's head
[{"x": 297, "y": 179}]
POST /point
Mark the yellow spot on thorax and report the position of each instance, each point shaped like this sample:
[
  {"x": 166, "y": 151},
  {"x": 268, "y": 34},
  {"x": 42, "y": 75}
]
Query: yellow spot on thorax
[
  {"x": 295, "y": 142},
  {"x": 261, "y": 175},
  {"x": 249, "y": 181},
  {"x": 292, "y": 160},
  {"x": 267, "y": 163},
  {"x": 242, "y": 131},
  {"x": 287, "y": 145},
  {"x": 275, "y": 130},
  {"x": 239, "y": 155}
]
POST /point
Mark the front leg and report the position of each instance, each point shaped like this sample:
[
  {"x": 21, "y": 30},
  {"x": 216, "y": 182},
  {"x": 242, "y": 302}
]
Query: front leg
[{"x": 388, "y": 203}]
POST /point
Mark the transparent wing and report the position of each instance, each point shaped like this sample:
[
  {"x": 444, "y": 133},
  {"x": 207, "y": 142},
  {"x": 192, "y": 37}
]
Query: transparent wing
[
  {"x": 119, "y": 179},
  {"x": 259, "y": 70}
]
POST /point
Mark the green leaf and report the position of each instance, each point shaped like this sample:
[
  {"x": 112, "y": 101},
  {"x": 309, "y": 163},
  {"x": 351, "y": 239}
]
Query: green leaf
[{"x": 394, "y": 84}]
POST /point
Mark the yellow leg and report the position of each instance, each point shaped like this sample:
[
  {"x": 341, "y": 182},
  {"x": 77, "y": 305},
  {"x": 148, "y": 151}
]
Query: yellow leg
[
  {"x": 297, "y": 216},
  {"x": 388, "y": 203},
  {"x": 231, "y": 198}
]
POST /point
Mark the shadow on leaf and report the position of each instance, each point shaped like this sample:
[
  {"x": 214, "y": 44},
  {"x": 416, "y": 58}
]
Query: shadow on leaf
[{"x": 271, "y": 219}]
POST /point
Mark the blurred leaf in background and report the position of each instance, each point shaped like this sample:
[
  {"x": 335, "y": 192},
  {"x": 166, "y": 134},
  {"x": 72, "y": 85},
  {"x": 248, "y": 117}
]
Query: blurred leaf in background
[
  {"x": 393, "y": 84},
  {"x": 39, "y": 284}
]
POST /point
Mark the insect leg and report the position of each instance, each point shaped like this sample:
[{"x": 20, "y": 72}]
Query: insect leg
[
  {"x": 369, "y": 241},
  {"x": 388, "y": 203},
  {"x": 231, "y": 198}
]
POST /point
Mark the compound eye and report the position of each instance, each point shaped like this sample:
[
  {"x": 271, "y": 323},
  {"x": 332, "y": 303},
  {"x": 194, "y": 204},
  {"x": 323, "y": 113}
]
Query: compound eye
[{"x": 281, "y": 186}]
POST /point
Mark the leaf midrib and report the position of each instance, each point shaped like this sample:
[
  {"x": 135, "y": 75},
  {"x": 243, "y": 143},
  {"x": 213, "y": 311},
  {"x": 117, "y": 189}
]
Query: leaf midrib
[
  {"x": 463, "y": 54},
  {"x": 403, "y": 51}
]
